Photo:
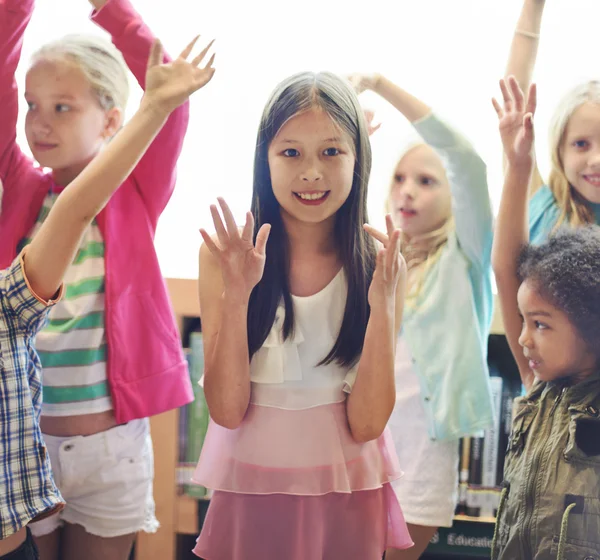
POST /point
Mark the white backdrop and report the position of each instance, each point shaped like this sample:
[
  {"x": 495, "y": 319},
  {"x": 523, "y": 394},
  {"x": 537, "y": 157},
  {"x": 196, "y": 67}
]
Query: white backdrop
[{"x": 449, "y": 52}]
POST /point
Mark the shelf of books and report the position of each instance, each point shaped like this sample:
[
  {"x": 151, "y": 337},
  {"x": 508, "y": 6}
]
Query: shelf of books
[{"x": 178, "y": 437}]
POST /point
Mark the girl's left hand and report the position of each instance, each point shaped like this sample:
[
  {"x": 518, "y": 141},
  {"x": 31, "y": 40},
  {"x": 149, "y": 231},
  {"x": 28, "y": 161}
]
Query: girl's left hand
[
  {"x": 363, "y": 82},
  {"x": 369, "y": 117},
  {"x": 515, "y": 121},
  {"x": 169, "y": 85},
  {"x": 390, "y": 266}
]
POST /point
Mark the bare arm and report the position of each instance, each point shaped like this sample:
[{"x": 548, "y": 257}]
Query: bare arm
[
  {"x": 512, "y": 230},
  {"x": 524, "y": 46},
  {"x": 511, "y": 236},
  {"x": 411, "y": 107},
  {"x": 225, "y": 336},
  {"x": 231, "y": 265},
  {"x": 373, "y": 396},
  {"x": 53, "y": 248},
  {"x": 522, "y": 58}
]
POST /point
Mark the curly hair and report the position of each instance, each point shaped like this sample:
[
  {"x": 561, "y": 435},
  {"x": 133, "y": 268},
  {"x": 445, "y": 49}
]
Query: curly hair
[{"x": 566, "y": 272}]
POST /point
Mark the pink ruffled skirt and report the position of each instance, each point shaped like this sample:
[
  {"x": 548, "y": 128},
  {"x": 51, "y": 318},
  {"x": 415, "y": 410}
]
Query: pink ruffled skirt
[{"x": 293, "y": 484}]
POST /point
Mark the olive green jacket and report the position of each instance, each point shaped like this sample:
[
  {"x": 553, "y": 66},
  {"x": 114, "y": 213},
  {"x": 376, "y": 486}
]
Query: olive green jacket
[{"x": 550, "y": 507}]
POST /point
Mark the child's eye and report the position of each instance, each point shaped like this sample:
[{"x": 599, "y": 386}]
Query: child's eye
[
  {"x": 426, "y": 181},
  {"x": 332, "y": 152},
  {"x": 540, "y": 326},
  {"x": 581, "y": 144},
  {"x": 399, "y": 178},
  {"x": 62, "y": 108},
  {"x": 30, "y": 105},
  {"x": 291, "y": 152}
]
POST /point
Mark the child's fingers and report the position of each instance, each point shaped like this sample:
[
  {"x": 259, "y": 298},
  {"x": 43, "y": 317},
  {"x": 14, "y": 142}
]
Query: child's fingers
[
  {"x": 389, "y": 225},
  {"x": 376, "y": 234},
  {"x": 219, "y": 227},
  {"x": 517, "y": 93},
  {"x": 248, "y": 227},
  {"x": 186, "y": 52},
  {"x": 261, "y": 239},
  {"x": 210, "y": 62},
  {"x": 381, "y": 262},
  {"x": 232, "y": 228},
  {"x": 498, "y": 108},
  {"x": 528, "y": 125},
  {"x": 212, "y": 246},
  {"x": 392, "y": 254},
  {"x": 156, "y": 54},
  {"x": 199, "y": 58},
  {"x": 532, "y": 100},
  {"x": 506, "y": 96}
]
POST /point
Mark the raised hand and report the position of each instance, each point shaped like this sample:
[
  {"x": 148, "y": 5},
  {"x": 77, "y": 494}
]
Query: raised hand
[
  {"x": 242, "y": 262},
  {"x": 169, "y": 85},
  {"x": 363, "y": 82},
  {"x": 390, "y": 266},
  {"x": 369, "y": 116},
  {"x": 515, "y": 121}
]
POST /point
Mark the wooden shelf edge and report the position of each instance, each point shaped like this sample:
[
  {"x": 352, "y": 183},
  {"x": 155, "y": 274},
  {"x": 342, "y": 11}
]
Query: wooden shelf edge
[{"x": 489, "y": 520}]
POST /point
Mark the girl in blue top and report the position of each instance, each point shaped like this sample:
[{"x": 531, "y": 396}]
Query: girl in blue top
[
  {"x": 439, "y": 199},
  {"x": 572, "y": 194}
]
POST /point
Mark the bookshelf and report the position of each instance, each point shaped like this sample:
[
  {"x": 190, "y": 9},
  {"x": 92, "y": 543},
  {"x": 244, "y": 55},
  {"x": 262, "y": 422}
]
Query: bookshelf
[{"x": 178, "y": 514}]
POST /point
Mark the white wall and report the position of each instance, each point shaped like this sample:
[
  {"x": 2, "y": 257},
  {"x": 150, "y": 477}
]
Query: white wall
[{"x": 449, "y": 52}]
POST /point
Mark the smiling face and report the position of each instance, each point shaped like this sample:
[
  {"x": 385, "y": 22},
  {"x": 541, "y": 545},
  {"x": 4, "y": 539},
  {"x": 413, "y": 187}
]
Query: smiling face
[
  {"x": 420, "y": 200},
  {"x": 553, "y": 346},
  {"x": 580, "y": 151},
  {"x": 311, "y": 163},
  {"x": 65, "y": 125}
]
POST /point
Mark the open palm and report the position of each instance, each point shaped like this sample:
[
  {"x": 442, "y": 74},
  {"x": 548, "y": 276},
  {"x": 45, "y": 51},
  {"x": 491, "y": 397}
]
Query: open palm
[
  {"x": 515, "y": 120},
  {"x": 169, "y": 85},
  {"x": 242, "y": 262}
]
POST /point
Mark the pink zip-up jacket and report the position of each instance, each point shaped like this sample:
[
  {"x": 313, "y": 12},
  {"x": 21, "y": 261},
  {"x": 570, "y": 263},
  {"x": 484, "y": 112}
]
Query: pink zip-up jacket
[{"x": 147, "y": 371}]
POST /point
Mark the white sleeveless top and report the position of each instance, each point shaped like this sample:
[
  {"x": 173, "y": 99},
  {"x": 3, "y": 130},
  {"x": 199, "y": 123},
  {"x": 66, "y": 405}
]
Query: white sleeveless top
[
  {"x": 295, "y": 437},
  {"x": 286, "y": 374}
]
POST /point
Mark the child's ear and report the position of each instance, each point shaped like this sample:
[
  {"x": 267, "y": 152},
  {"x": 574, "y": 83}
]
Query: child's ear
[{"x": 113, "y": 122}]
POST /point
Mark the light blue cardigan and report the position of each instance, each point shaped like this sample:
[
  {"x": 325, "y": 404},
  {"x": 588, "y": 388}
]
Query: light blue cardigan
[{"x": 448, "y": 324}]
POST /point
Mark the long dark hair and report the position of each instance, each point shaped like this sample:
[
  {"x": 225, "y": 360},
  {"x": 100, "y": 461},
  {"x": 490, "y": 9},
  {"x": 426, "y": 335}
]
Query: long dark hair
[{"x": 297, "y": 94}]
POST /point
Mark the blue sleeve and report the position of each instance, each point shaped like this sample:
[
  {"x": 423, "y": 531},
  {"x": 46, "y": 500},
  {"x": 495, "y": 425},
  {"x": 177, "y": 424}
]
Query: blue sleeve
[
  {"x": 467, "y": 175},
  {"x": 543, "y": 215}
]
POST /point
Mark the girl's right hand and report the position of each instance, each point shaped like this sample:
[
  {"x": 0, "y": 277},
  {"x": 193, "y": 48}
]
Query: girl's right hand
[
  {"x": 242, "y": 262},
  {"x": 515, "y": 121},
  {"x": 169, "y": 85}
]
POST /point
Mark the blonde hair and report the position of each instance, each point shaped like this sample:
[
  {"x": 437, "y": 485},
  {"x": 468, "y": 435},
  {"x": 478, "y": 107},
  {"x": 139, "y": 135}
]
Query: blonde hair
[
  {"x": 100, "y": 61},
  {"x": 420, "y": 251},
  {"x": 573, "y": 207}
]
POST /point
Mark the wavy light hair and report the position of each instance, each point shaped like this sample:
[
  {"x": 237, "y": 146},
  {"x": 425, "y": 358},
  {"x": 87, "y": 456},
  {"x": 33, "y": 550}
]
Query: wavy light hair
[
  {"x": 420, "y": 251},
  {"x": 574, "y": 209}
]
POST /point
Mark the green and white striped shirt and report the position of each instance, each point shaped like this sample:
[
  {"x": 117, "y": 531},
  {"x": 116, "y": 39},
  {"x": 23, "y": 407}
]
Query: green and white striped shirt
[{"x": 72, "y": 347}]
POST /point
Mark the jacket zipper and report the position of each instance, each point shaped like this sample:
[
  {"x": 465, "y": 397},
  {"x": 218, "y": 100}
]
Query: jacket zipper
[{"x": 531, "y": 486}]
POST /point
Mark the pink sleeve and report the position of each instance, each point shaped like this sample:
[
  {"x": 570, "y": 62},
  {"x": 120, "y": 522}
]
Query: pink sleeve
[
  {"x": 155, "y": 174},
  {"x": 15, "y": 167}
]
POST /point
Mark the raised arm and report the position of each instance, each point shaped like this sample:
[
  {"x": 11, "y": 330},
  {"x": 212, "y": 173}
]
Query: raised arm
[
  {"x": 155, "y": 173},
  {"x": 53, "y": 248},
  {"x": 373, "y": 394},
  {"x": 230, "y": 266},
  {"x": 466, "y": 171},
  {"x": 522, "y": 58},
  {"x": 512, "y": 230}
]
